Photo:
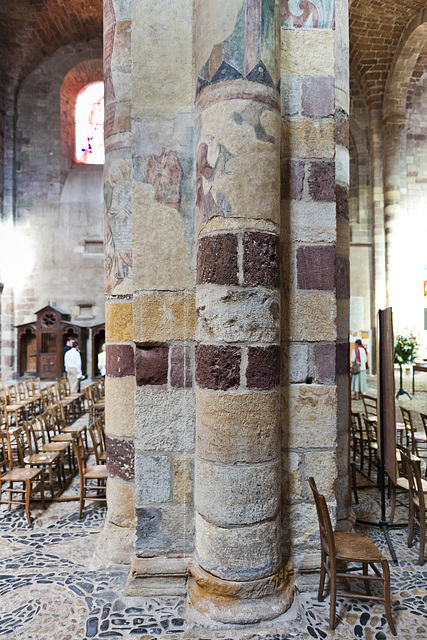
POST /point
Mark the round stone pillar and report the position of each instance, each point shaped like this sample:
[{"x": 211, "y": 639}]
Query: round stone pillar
[
  {"x": 393, "y": 129},
  {"x": 237, "y": 573}
]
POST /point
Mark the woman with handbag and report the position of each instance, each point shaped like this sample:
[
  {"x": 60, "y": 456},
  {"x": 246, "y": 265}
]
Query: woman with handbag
[{"x": 359, "y": 364}]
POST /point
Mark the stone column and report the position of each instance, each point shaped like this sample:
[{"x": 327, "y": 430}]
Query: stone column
[
  {"x": 393, "y": 130},
  {"x": 378, "y": 296},
  {"x": 115, "y": 545},
  {"x": 237, "y": 573}
]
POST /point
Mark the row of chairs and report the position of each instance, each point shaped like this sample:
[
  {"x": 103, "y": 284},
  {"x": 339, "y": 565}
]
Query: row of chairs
[{"x": 47, "y": 448}]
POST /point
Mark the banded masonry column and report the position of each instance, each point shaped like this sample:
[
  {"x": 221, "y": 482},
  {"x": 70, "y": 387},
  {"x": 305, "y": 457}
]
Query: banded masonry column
[
  {"x": 115, "y": 545},
  {"x": 394, "y": 128},
  {"x": 237, "y": 572},
  {"x": 378, "y": 227}
]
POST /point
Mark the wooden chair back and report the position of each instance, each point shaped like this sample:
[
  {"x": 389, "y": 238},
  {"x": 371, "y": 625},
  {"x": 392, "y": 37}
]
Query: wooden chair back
[
  {"x": 97, "y": 436},
  {"x": 411, "y": 442},
  {"x": 369, "y": 407},
  {"x": 325, "y": 526}
]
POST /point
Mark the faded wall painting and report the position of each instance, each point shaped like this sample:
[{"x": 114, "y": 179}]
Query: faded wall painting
[
  {"x": 308, "y": 14},
  {"x": 118, "y": 224}
]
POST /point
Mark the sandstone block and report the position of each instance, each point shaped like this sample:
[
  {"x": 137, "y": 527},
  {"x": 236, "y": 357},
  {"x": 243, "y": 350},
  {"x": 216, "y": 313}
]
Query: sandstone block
[
  {"x": 308, "y": 139},
  {"x": 119, "y": 407},
  {"x": 324, "y": 362},
  {"x": 248, "y": 315},
  {"x": 239, "y": 553},
  {"x": 295, "y": 363},
  {"x": 263, "y": 370},
  {"x": 313, "y": 222},
  {"x": 157, "y": 577},
  {"x": 292, "y": 174},
  {"x": 318, "y": 96},
  {"x": 118, "y": 321},
  {"x": 296, "y": 42},
  {"x": 114, "y": 548},
  {"x": 312, "y": 316},
  {"x": 237, "y": 427},
  {"x": 312, "y": 411},
  {"x": 321, "y": 182},
  {"x": 304, "y": 527},
  {"x": 121, "y": 502},
  {"x": 292, "y": 476},
  {"x": 151, "y": 365},
  {"x": 217, "y": 367},
  {"x": 180, "y": 366},
  {"x": 342, "y": 276},
  {"x": 342, "y": 128},
  {"x": 120, "y": 360},
  {"x": 322, "y": 466},
  {"x": 341, "y": 197},
  {"x": 120, "y": 458},
  {"x": 316, "y": 267},
  {"x": 261, "y": 259},
  {"x": 183, "y": 478},
  {"x": 152, "y": 479},
  {"x": 165, "y": 420},
  {"x": 165, "y": 530},
  {"x": 163, "y": 316},
  {"x": 249, "y": 494},
  {"x": 217, "y": 259}
]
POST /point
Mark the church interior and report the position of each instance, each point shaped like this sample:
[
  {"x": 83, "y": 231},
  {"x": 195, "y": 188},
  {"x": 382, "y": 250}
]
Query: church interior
[{"x": 222, "y": 192}]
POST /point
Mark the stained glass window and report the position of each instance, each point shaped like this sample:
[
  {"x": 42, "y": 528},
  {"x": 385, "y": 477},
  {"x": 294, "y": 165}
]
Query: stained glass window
[{"x": 90, "y": 124}]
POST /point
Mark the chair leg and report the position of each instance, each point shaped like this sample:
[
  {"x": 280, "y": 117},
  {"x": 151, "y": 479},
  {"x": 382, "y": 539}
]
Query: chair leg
[
  {"x": 27, "y": 500},
  {"x": 322, "y": 576},
  {"x": 333, "y": 600},
  {"x": 387, "y": 598},
  {"x": 422, "y": 537},
  {"x": 365, "y": 572},
  {"x": 82, "y": 498},
  {"x": 411, "y": 522}
]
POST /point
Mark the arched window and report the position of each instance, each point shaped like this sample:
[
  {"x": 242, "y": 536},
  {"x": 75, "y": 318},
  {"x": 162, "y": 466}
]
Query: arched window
[{"x": 90, "y": 124}]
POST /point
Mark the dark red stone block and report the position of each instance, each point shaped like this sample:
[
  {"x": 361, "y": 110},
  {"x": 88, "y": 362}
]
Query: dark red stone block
[
  {"x": 263, "y": 370},
  {"x": 119, "y": 360},
  {"x": 217, "y": 367},
  {"x": 217, "y": 259},
  {"x": 261, "y": 259},
  {"x": 342, "y": 275},
  {"x": 342, "y": 128},
  {"x": 151, "y": 365},
  {"x": 180, "y": 366},
  {"x": 341, "y": 194},
  {"x": 120, "y": 458},
  {"x": 324, "y": 362},
  {"x": 321, "y": 182},
  {"x": 292, "y": 179},
  {"x": 342, "y": 358},
  {"x": 316, "y": 268},
  {"x": 318, "y": 96}
]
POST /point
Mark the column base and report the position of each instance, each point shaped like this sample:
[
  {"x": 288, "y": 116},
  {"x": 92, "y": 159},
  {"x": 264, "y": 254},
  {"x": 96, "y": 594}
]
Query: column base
[
  {"x": 114, "y": 548},
  {"x": 157, "y": 577},
  {"x": 231, "y": 602}
]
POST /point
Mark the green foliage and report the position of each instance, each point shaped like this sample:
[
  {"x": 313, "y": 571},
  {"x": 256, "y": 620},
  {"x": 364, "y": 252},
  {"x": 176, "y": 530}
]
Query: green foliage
[{"x": 405, "y": 349}]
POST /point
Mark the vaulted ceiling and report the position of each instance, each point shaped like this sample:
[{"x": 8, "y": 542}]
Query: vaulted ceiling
[
  {"x": 376, "y": 27},
  {"x": 33, "y": 29}
]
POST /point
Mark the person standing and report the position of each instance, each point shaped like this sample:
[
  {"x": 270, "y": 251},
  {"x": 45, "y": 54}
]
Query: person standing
[
  {"x": 67, "y": 347},
  {"x": 359, "y": 360},
  {"x": 73, "y": 367},
  {"x": 102, "y": 361}
]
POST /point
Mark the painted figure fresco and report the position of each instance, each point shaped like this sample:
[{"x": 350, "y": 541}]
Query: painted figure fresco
[
  {"x": 165, "y": 174},
  {"x": 118, "y": 224},
  {"x": 208, "y": 200},
  {"x": 315, "y": 14}
]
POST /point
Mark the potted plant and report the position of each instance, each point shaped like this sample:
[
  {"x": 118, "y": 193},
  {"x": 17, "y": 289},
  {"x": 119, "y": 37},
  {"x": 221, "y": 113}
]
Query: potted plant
[{"x": 405, "y": 352}]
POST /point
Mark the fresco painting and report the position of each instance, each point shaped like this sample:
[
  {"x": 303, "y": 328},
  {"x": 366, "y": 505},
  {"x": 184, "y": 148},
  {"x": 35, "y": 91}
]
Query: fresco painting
[{"x": 308, "y": 14}]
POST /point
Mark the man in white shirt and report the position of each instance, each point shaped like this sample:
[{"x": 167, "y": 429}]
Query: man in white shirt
[{"x": 73, "y": 367}]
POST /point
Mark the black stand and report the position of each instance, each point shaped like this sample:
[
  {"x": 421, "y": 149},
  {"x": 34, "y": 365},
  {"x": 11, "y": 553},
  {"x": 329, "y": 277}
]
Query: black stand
[
  {"x": 383, "y": 524},
  {"x": 401, "y": 391}
]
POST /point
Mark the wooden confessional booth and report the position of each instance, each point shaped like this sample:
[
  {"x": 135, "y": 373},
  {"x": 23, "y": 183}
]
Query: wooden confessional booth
[
  {"x": 98, "y": 339},
  {"x": 40, "y": 344}
]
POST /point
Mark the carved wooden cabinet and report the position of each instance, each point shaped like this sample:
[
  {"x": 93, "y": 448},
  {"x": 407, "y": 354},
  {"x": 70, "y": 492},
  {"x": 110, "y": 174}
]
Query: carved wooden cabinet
[{"x": 41, "y": 343}]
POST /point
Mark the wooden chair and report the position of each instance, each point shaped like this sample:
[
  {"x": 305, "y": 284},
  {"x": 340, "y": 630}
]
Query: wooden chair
[
  {"x": 359, "y": 439},
  {"x": 88, "y": 476},
  {"x": 31, "y": 480},
  {"x": 347, "y": 547},
  {"x": 35, "y": 395},
  {"x": 369, "y": 407},
  {"x": 97, "y": 436},
  {"x": 417, "y": 502},
  {"x": 415, "y": 440},
  {"x": 30, "y": 456},
  {"x": 371, "y": 435}
]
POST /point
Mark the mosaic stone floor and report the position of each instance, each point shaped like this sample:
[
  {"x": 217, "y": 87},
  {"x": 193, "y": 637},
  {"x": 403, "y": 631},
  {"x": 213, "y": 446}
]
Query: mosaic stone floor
[{"x": 47, "y": 591}]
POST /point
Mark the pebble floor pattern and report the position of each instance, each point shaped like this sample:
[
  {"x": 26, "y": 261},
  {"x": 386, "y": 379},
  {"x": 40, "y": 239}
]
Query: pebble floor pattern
[{"x": 47, "y": 591}]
